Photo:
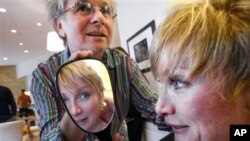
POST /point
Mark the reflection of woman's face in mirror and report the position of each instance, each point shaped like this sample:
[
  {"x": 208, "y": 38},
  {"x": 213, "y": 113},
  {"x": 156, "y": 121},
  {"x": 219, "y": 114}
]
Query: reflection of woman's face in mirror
[
  {"x": 82, "y": 91},
  {"x": 83, "y": 104}
]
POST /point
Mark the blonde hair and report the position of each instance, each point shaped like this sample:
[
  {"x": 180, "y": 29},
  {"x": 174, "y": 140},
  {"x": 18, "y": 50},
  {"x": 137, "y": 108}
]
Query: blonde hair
[
  {"x": 213, "y": 37},
  {"x": 79, "y": 70}
]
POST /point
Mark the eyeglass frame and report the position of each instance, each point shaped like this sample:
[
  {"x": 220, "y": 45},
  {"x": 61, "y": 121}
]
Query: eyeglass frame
[{"x": 75, "y": 6}]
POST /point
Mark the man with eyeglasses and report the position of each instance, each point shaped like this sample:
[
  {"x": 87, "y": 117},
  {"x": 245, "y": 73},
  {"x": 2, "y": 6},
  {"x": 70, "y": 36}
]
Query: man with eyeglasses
[{"x": 86, "y": 28}]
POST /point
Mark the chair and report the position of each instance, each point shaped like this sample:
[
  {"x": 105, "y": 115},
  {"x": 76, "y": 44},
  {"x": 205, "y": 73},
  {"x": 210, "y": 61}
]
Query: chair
[{"x": 11, "y": 131}]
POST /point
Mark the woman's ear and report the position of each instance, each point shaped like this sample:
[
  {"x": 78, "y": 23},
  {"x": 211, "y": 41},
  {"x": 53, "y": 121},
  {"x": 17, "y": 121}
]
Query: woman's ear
[
  {"x": 103, "y": 106},
  {"x": 59, "y": 27}
]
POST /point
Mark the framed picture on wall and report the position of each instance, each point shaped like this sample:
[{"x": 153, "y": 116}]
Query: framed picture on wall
[{"x": 138, "y": 45}]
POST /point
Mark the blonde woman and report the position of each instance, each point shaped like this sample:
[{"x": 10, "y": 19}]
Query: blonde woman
[{"x": 201, "y": 54}]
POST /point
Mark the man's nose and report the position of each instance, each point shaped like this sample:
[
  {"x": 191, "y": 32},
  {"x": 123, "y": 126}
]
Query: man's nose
[{"x": 97, "y": 17}]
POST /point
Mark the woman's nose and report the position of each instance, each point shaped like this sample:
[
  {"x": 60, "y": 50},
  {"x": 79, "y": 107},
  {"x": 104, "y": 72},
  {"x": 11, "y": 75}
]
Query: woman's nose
[
  {"x": 75, "y": 109},
  {"x": 163, "y": 107}
]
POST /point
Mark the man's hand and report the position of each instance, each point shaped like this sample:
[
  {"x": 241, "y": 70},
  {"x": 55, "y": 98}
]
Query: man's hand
[{"x": 81, "y": 54}]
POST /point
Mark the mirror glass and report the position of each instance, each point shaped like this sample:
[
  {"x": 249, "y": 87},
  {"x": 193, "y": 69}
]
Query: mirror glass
[{"x": 85, "y": 89}]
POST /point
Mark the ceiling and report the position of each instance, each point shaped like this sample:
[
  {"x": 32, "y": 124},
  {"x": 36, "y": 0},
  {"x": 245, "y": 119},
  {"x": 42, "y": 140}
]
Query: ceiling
[{"x": 23, "y": 16}]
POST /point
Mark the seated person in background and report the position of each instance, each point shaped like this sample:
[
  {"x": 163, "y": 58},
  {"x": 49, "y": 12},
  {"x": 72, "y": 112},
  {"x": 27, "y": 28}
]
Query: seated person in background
[
  {"x": 23, "y": 102},
  {"x": 7, "y": 105},
  {"x": 201, "y": 54}
]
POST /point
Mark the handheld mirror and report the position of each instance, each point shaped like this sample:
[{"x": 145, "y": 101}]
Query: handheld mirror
[{"x": 85, "y": 89}]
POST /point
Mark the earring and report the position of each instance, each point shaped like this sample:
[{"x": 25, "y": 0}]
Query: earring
[{"x": 103, "y": 106}]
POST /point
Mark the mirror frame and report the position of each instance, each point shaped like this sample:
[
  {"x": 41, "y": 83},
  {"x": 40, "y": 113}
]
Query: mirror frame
[{"x": 66, "y": 108}]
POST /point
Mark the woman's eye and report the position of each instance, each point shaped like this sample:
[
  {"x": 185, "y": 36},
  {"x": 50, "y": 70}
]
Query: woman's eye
[
  {"x": 178, "y": 84},
  {"x": 84, "y": 95}
]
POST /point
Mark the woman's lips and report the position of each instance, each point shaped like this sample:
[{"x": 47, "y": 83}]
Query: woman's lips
[
  {"x": 178, "y": 129},
  {"x": 81, "y": 121}
]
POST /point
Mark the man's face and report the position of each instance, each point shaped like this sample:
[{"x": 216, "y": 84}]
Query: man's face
[{"x": 91, "y": 31}]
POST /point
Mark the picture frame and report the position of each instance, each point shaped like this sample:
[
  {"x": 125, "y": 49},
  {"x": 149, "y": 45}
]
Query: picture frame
[{"x": 138, "y": 46}]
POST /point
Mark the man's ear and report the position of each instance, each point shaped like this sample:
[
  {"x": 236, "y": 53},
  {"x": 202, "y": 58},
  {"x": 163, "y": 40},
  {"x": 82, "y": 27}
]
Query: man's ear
[{"x": 59, "y": 27}]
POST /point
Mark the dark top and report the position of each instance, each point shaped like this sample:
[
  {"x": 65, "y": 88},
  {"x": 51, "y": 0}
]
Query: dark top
[{"x": 7, "y": 104}]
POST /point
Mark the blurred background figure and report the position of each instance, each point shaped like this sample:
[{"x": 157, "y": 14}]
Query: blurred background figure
[
  {"x": 7, "y": 105},
  {"x": 23, "y": 103}
]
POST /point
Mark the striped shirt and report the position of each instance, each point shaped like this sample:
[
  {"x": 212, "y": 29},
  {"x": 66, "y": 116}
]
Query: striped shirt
[{"x": 130, "y": 86}]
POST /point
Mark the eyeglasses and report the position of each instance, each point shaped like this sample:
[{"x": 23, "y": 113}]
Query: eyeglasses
[{"x": 86, "y": 8}]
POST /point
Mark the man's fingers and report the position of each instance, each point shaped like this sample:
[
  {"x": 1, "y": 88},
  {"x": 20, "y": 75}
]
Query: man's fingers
[{"x": 81, "y": 54}]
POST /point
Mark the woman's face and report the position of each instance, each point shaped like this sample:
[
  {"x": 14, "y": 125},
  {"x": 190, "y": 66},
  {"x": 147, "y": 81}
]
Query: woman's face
[
  {"x": 194, "y": 108},
  {"x": 83, "y": 104},
  {"x": 86, "y": 31}
]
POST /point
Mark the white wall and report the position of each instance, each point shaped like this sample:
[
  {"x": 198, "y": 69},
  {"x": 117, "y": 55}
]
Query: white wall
[
  {"x": 134, "y": 14},
  {"x": 26, "y": 68},
  {"x": 116, "y": 36}
]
